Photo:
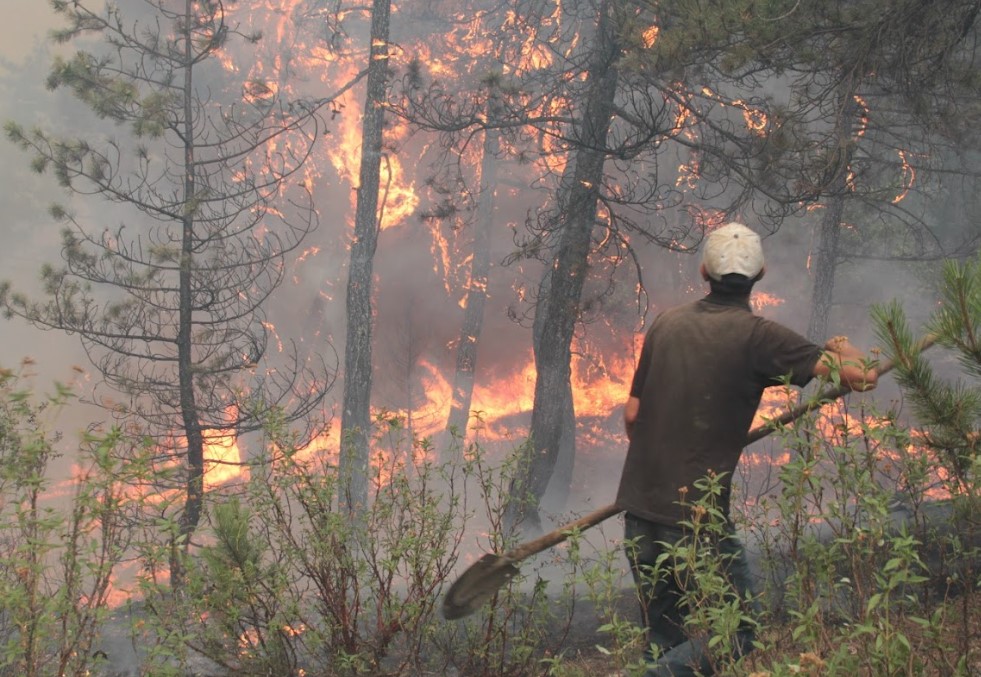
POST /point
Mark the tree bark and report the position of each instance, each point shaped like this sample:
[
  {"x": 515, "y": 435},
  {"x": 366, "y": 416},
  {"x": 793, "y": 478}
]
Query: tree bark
[
  {"x": 170, "y": 306},
  {"x": 356, "y": 413},
  {"x": 559, "y": 310},
  {"x": 560, "y": 481},
  {"x": 194, "y": 492}
]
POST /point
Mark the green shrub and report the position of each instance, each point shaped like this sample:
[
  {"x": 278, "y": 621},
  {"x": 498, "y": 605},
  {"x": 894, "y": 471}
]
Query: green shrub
[
  {"x": 286, "y": 580},
  {"x": 58, "y": 553}
]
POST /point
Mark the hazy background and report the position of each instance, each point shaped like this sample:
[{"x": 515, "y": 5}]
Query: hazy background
[
  {"x": 31, "y": 239},
  {"x": 24, "y": 27},
  {"x": 23, "y": 195}
]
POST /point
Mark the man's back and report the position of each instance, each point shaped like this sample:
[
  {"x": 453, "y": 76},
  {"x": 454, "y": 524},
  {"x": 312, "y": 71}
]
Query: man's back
[{"x": 700, "y": 378}]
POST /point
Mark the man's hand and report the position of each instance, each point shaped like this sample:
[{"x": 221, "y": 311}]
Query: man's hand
[{"x": 855, "y": 369}]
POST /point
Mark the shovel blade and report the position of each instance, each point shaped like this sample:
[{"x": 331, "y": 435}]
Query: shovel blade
[{"x": 477, "y": 584}]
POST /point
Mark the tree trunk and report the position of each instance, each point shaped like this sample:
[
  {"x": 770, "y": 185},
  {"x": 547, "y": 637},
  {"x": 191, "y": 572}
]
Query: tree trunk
[
  {"x": 557, "y": 491},
  {"x": 473, "y": 317},
  {"x": 560, "y": 484},
  {"x": 829, "y": 233},
  {"x": 356, "y": 413},
  {"x": 560, "y": 308},
  {"x": 194, "y": 482}
]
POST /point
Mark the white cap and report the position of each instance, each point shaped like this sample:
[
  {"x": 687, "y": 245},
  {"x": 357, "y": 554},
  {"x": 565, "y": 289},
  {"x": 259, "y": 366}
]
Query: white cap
[{"x": 733, "y": 248}]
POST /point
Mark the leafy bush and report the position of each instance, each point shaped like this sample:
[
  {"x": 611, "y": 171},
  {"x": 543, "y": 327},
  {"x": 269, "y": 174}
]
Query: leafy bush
[
  {"x": 57, "y": 554},
  {"x": 287, "y": 580}
]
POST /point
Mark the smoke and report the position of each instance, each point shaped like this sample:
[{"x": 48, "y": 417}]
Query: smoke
[
  {"x": 20, "y": 37},
  {"x": 418, "y": 297},
  {"x": 30, "y": 237}
]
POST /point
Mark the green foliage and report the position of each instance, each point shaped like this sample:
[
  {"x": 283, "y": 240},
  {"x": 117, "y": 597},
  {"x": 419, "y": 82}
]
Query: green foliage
[
  {"x": 703, "y": 568},
  {"x": 718, "y": 610},
  {"x": 520, "y": 630},
  {"x": 57, "y": 553},
  {"x": 858, "y": 556},
  {"x": 621, "y": 638},
  {"x": 288, "y": 579},
  {"x": 169, "y": 304},
  {"x": 948, "y": 409},
  {"x": 283, "y": 580}
]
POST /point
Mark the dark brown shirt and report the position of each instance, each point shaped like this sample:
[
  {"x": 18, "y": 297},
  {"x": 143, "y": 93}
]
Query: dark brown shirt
[{"x": 699, "y": 379}]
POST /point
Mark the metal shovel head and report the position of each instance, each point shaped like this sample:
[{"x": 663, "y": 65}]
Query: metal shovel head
[{"x": 477, "y": 584}]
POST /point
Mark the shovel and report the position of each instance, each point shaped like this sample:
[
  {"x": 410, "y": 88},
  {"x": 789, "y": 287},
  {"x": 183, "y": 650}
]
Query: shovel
[{"x": 486, "y": 576}]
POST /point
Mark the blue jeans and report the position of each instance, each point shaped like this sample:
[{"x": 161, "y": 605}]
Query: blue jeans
[{"x": 662, "y": 599}]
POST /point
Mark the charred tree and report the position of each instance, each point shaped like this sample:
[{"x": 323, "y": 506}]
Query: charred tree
[
  {"x": 561, "y": 470},
  {"x": 543, "y": 87},
  {"x": 356, "y": 405},
  {"x": 476, "y": 293},
  {"x": 558, "y": 312},
  {"x": 402, "y": 351},
  {"x": 169, "y": 305}
]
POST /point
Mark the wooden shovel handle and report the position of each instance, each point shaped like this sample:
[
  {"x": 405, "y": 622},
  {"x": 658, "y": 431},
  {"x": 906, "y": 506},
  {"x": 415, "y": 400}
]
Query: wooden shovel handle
[{"x": 555, "y": 537}]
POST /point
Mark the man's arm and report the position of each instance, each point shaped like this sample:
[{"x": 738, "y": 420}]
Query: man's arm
[
  {"x": 853, "y": 366},
  {"x": 630, "y": 412}
]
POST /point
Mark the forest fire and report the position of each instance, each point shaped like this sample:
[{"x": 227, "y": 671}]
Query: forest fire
[
  {"x": 502, "y": 393},
  {"x": 312, "y": 247}
]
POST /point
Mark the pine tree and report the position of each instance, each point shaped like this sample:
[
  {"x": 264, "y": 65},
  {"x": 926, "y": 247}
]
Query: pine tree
[
  {"x": 950, "y": 411},
  {"x": 202, "y": 168}
]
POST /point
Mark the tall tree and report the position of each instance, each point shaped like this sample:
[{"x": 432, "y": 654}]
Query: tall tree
[
  {"x": 825, "y": 262},
  {"x": 169, "y": 305},
  {"x": 356, "y": 405},
  {"x": 558, "y": 308},
  {"x": 479, "y": 100},
  {"x": 475, "y": 299},
  {"x": 550, "y": 69}
]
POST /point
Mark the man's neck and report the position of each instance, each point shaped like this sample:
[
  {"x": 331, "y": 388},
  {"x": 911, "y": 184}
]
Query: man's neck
[{"x": 728, "y": 298}]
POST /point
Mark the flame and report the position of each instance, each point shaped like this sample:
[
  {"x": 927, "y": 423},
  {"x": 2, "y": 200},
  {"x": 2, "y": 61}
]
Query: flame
[
  {"x": 838, "y": 427},
  {"x": 533, "y": 54},
  {"x": 398, "y": 200},
  {"x": 271, "y": 328},
  {"x": 504, "y": 403},
  {"x": 909, "y": 176},
  {"x": 863, "y": 117},
  {"x": 223, "y": 459},
  {"x": 756, "y": 120},
  {"x": 761, "y": 300},
  {"x": 649, "y": 36},
  {"x": 503, "y": 396}
]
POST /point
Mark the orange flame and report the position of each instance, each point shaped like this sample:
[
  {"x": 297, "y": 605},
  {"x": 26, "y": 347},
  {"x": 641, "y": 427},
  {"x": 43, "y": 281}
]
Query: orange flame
[
  {"x": 909, "y": 176},
  {"x": 223, "y": 459}
]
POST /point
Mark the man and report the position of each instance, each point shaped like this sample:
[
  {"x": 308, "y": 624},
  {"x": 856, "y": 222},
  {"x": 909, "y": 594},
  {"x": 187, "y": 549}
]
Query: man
[{"x": 699, "y": 380}]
